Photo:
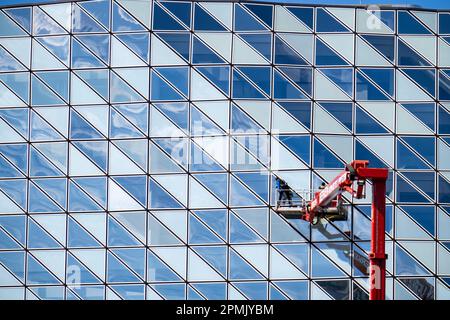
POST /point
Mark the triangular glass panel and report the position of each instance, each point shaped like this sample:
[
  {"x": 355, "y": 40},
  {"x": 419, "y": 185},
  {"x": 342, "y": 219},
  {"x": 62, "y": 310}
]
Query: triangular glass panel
[
  {"x": 326, "y": 22},
  {"x": 260, "y": 42},
  {"x": 135, "y": 185},
  {"x": 164, "y": 21},
  {"x": 263, "y": 12},
  {"x": 362, "y": 152},
  {"x": 301, "y": 77},
  {"x": 43, "y": 24},
  {"x": 424, "y": 180},
  {"x": 22, "y": 16},
  {"x": 99, "y": 10},
  {"x": 133, "y": 258},
  {"x": 179, "y": 42},
  {"x": 200, "y": 234},
  {"x": 42, "y": 95},
  {"x": 137, "y": 114},
  {"x": 85, "y": 275},
  {"x": 161, "y": 90},
  {"x": 201, "y": 161},
  {"x": 385, "y": 44},
  {"x": 218, "y": 75},
  {"x": 407, "y": 193},
  {"x": 177, "y": 76},
  {"x": 406, "y": 159},
  {"x": 343, "y": 78},
  {"x": 241, "y": 233},
  {"x": 300, "y": 145},
  {"x": 135, "y": 149},
  {"x": 122, "y": 92},
  {"x": 81, "y": 129},
  {"x": 97, "y": 79},
  {"x": 58, "y": 46},
  {"x": 322, "y": 267},
  {"x": 123, "y": 21},
  {"x": 240, "y": 269},
  {"x": 409, "y": 57},
  {"x": 16, "y": 189},
  {"x": 98, "y": 44},
  {"x": 241, "y": 196},
  {"x": 259, "y": 75},
  {"x": 382, "y": 77},
  {"x": 19, "y": 83},
  {"x": 58, "y": 81},
  {"x": 14, "y": 261},
  {"x": 119, "y": 236},
  {"x": 139, "y": 43},
  {"x": 95, "y": 187},
  {"x": 56, "y": 188},
  {"x": 257, "y": 182},
  {"x": 158, "y": 270},
  {"x": 17, "y": 118},
  {"x": 324, "y": 158},
  {"x": 216, "y": 184},
  {"x": 159, "y": 198},
  {"x": 96, "y": 151},
  {"x": 9, "y": 28},
  {"x": 216, "y": 256},
  {"x": 17, "y": 154},
  {"x": 40, "y": 166},
  {"x": 243, "y": 88},
  {"x": 242, "y": 123},
  {"x": 426, "y": 78},
  {"x": 299, "y": 110},
  {"x": 38, "y": 274},
  {"x": 286, "y": 55},
  {"x": 83, "y": 22},
  {"x": 77, "y": 236},
  {"x": 79, "y": 201},
  {"x": 283, "y": 89},
  {"x": 118, "y": 272},
  {"x": 201, "y": 53},
  {"x": 407, "y": 24},
  {"x": 305, "y": 15},
  {"x": 325, "y": 56},
  {"x": 83, "y": 58},
  {"x": 9, "y": 63},
  {"x": 253, "y": 290},
  {"x": 182, "y": 10},
  {"x": 367, "y": 124},
  {"x": 121, "y": 128},
  {"x": 424, "y": 215},
  {"x": 201, "y": 124},
  {"x": 204, "y": 21},
  {"x": 245, "y": 21},
  {"x": 405, "y": 264},
  {"x": 423, "y": 145},
  {"x": 39, "y": 238},
  {"x": 365, "y": 90}
]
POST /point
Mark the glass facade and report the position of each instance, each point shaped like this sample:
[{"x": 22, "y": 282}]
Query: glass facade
[{"x": 140, "y": 142}]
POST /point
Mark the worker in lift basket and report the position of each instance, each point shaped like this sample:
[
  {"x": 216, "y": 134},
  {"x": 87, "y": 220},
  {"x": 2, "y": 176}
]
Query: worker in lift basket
[{"x": 284, "y": 192}]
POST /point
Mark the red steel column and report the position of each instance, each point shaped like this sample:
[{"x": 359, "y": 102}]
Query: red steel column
[{"x": 378, "y": 256}]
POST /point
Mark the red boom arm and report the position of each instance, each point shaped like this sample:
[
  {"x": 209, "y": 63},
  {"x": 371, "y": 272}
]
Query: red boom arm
[{"x": 358, "y": 171}]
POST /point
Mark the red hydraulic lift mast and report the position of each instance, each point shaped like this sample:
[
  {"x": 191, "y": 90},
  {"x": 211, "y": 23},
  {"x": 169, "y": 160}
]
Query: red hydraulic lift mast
[{"x": 327, "y": 203}]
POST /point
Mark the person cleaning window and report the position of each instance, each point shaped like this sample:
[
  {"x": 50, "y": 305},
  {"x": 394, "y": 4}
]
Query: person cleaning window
[{"x": 284, "y": 192}]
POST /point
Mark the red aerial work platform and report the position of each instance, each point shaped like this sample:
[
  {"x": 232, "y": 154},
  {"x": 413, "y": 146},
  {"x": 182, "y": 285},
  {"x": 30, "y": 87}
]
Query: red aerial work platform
[{"x": 327, "y": 203}]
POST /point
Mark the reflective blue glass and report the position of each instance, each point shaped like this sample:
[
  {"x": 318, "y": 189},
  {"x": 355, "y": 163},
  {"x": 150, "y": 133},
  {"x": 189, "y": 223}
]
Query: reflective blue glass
[
  {"x": 306, "y": 15},
  {"x": 327, "y": 23},
  {"x": 407, "y": 24},
  {"x": 286, "y": 55},
  {"x": 205, "y": 22},
  {"x": 325, "y": 56}
]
